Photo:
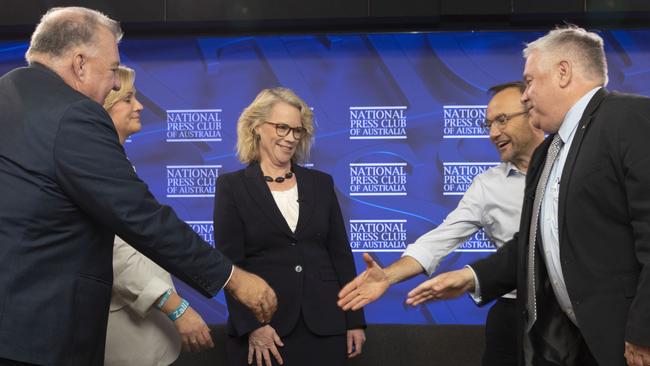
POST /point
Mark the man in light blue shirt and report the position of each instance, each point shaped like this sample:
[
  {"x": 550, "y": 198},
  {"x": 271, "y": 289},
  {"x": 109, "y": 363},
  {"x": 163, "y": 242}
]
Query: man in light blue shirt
[{"x": 492, "y": 203}]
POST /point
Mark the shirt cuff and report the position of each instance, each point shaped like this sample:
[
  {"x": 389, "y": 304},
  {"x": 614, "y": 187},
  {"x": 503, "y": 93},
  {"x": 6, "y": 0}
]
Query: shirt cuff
[
  {"x": 232, "y": 270},
  {"x": 476, "y": 294},
  {"x": 147, "y": 297}
]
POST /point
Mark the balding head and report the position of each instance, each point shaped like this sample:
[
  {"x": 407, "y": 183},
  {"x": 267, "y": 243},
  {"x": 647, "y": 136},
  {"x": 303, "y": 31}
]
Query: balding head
[{"x": 64, "y": 29}]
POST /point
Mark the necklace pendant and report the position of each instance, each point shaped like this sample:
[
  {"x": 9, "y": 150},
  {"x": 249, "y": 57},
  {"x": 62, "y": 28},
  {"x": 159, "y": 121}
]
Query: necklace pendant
[{"x": 279, "y": 179}]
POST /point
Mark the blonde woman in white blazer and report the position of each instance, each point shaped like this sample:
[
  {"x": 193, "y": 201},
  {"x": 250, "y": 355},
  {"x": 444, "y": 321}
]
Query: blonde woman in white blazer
[{"x": 148, "y": 323}]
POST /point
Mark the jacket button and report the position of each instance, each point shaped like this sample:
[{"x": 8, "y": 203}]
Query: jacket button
[
  {"x": 292, "y": 244},
  {"x": 298, "y": 268}
]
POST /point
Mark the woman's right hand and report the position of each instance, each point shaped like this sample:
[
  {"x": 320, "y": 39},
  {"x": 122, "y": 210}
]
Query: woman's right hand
[{"x": 261, "y": 342}]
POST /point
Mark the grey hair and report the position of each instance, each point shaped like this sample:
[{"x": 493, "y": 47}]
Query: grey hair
[
  {"x": 586, "y": 49},
  {"x": 63, "y": 28}
]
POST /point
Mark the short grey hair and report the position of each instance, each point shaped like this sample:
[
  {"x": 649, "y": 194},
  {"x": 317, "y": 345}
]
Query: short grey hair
[
  {"x": 63, "y": 28},
  {"x": 586, "y": 49}
]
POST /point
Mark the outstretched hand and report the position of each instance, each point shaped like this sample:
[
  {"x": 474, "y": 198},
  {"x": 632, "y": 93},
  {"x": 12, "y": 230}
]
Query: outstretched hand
[
  {"x": 447, "y": 285},
  {"x": 365, "y": 288}
]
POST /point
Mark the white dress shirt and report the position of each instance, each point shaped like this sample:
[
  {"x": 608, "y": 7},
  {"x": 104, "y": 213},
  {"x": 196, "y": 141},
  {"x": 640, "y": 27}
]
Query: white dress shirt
[
  {"x": 492, "y": 202},
  {"x": 287, "y": 202},
  {"x": 548, "y": 217}
]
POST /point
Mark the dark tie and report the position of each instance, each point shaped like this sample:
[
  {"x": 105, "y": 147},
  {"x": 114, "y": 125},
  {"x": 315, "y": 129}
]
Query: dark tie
[{"x": 531, "y": 304}]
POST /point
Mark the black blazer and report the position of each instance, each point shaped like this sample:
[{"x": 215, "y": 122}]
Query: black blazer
[
  {"x": 604, "y": 228},
  {"x": 250, "y": 229},
  {"x": 66, "y": 188}
]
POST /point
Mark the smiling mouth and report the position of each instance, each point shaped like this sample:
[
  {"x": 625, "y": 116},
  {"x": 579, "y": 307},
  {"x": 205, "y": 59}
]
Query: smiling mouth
[{"x": 502, "y": 144}]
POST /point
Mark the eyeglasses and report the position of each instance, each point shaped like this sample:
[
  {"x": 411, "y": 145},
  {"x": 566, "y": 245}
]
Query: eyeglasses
[
  {"x": 501, "y": 119},
  {"x": 282, "y": 130}
]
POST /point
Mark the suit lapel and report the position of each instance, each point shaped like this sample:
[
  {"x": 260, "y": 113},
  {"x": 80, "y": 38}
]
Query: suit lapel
[
  {"x": 306, "y": 196},
  {"x": 581, "y": 131},
  {"x": 259, "y": 190}
]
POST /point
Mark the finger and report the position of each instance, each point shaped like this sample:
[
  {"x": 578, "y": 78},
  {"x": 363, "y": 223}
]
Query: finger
[
  {"x": 251, "y": 351},
  {"x": 205, "y": 341},
  {"x": 186, "y": 344},
  {"x": 344, "y": 303},
  {"x": 277, "y": 340},
  {"x": 258, "y": 356},
  {"x": 347, "y": 289},
  {"x": 360, "y": 303},
  {"x": 267, "y": 357},
  {"x": 193, "y": 345},
  {"x": 360, "y": 340},
  {"x": 262, "y": 312},
  {"x": 350, "y": 343},
  {"x": 208, "y": 338},
  {"x": 424, "y": 286},
  {"x": 369, "y": 261},
  {"x": 276, "y": 355},
  {"x": 421, "y": 297}
]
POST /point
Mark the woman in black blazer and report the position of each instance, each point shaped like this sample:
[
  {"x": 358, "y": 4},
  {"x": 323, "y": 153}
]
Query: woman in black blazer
[{"x": 283, "y": 222}]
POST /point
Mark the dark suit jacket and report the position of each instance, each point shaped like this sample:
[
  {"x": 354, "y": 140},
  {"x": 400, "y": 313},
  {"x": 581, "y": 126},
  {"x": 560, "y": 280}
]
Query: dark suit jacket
[
  {"x": 250, "y": 229},
  {"x": 66, "y": 189},
  {"x": 604, "y": 228}
]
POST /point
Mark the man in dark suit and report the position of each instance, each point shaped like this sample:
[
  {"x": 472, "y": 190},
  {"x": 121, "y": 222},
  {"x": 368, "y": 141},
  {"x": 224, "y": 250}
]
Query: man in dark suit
[
  {"x": 581, "y": 259},
  {"x": 67, "y": 189}
]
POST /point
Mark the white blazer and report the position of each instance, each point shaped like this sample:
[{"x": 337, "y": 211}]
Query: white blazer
[{"x": 137, "y": 332}]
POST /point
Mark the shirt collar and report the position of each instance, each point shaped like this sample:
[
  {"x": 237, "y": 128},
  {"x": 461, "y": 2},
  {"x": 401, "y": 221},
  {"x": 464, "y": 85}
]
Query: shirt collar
[
  {"x": 510, "y": 169},
  {"x": 573, "y": 116}
]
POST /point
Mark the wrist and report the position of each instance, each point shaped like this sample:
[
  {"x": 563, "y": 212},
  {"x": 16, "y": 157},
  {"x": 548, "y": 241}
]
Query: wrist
[
  {"x": 163, "y": 299},
  {"x": 179, "y": 311},
  {"x": 234, "y": 279}
]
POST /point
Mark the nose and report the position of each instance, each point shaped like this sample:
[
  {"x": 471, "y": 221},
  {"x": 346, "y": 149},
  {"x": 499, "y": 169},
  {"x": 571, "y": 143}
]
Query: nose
[
  {"x": 495, "y": 132},
  {"x": 524, "y": 97},
  {"x": 289, "y": 137},
  {"x": 138, "y": 106},
  {"x": 116, "y": 83}
]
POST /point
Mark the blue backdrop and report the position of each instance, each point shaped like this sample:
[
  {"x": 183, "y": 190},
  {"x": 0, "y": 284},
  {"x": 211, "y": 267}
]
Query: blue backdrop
[{"x": 397, "y": 126}]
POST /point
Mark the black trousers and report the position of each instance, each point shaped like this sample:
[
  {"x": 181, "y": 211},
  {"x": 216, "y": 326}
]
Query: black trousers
[{"x": 501, "y": 334}]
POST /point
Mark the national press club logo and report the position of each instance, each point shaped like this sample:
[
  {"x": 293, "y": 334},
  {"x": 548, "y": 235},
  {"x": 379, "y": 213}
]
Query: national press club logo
[
  {"x": 378, "y": 122},
  {"x": 464, "y": 121},
  {"x": 457, "y": 177},
  {"x": 191, "y": 180},
  {"x": 480, "y": 242},
  {"x": 378, "y": 235},
  {"x": 205, "y": 229},
  {"x": 378, "y": 179},
  {"x": 186, "y": 125}
]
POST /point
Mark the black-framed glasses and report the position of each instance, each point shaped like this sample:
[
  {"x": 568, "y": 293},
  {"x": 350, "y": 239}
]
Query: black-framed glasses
[
  {"x": 282, "y": 130},
  {"x": 501, "y": 120}
]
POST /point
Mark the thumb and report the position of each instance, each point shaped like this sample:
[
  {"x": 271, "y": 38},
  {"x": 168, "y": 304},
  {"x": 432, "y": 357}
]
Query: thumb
[
  {"x": 369, "y": 261},
  {"x": 277, "y": 340}
]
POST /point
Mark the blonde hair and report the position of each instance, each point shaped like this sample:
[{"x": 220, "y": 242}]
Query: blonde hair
[
  {"x": 127, "y": 78},
  {"x": 585, "y": 49},
  {"x": 248, "y": 149},
  {"x": 63, "y": 28}
]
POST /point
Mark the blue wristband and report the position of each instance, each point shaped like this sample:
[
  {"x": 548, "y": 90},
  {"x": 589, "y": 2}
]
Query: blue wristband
[
  {"x": 164, "y": 299},
  {"x": 180, "y": 310}
]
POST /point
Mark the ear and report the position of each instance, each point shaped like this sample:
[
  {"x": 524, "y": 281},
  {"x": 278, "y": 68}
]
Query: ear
[
  {"x": 565, "y": 73},
  {"x": 79, "y": 65}
]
